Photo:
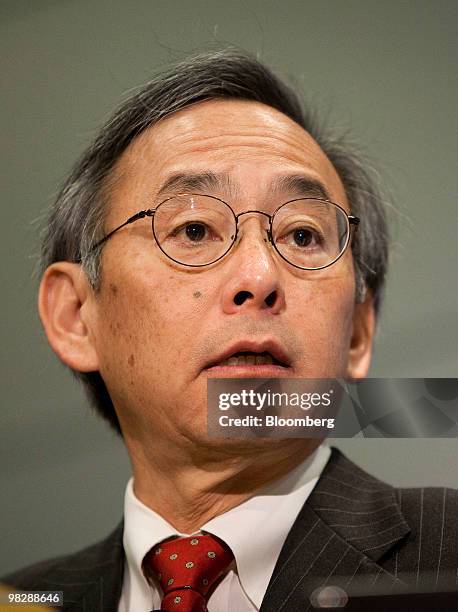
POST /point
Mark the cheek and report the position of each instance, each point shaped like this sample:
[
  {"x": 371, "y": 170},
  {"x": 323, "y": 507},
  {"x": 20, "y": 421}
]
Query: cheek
[
  {"x": 130, "y": 342},
  {"x": 325, "y": 318},
  {"x": 146, "y": 333},
  {"x": 145, "y": 326}
]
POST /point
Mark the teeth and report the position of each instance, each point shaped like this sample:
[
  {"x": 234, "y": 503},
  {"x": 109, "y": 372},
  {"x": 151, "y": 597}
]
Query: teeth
[{"x": 262, "y": 359}]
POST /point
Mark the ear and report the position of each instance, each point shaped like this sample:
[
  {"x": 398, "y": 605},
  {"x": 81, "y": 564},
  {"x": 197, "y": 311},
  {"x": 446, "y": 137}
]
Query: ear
[
  {"x": 65, "y": 304},
  {"x": 360, "y": 353}
]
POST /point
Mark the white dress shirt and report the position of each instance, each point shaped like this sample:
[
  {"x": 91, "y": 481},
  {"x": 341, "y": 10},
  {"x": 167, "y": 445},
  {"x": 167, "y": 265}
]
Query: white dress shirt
[{"x": 255, "y": 531}]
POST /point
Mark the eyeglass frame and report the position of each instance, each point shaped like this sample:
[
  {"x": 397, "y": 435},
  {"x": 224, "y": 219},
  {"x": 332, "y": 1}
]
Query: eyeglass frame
[{"x": 352, "y": 223}]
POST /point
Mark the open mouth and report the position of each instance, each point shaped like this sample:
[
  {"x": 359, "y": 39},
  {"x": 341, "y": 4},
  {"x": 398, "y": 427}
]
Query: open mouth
[
  {"x": 249, "y": 359},
  {"x": 265, "y": 355}
]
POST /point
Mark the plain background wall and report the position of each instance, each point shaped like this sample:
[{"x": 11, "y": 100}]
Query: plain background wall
[{"x": 385, "y": 69}]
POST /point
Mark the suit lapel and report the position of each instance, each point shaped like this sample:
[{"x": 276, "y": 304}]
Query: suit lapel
[
  {"x": 92, "y": 581},
  {"x": 349, "y": 522}
]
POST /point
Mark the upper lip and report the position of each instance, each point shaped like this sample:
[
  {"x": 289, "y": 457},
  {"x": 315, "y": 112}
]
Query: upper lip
[{"x": 253, "y": 346}]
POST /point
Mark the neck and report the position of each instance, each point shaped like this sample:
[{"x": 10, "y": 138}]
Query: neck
[{"x": 189, "y": 488}]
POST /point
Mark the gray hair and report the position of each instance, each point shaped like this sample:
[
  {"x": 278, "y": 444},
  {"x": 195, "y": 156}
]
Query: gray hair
[{"x": 76, "y": 220}]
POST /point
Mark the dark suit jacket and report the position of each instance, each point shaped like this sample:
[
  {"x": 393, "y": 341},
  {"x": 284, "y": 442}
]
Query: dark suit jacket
[{"x": 354, "y": 532}]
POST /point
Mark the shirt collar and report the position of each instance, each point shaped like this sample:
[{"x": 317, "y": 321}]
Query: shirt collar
[{"x": 275, "y": 507}]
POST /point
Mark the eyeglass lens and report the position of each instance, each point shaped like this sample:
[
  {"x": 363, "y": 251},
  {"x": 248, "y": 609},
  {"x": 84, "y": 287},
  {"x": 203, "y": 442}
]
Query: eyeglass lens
[{"x": 197, "y": 230}]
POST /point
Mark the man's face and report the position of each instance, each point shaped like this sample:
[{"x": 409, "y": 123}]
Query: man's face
[{"x": 157, "y": 326}]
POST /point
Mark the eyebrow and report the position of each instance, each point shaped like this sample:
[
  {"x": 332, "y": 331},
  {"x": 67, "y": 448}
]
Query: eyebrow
[
  {"x": 299, "y": 185},
  {"x": 197, "y": 181}
]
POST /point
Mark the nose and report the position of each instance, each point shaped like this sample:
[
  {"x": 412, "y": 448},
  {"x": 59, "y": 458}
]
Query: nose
[{"x": 253, "y": 280}]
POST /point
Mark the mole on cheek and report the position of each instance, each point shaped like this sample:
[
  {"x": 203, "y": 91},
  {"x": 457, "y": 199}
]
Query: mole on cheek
[
  {"x": 131, "y": 360},
  {"x": 197, "y": 294},
  {"x": 113, "y": 289}
]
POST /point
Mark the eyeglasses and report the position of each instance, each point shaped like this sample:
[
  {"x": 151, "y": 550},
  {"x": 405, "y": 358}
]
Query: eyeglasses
[{"x": 198, "y": 230}]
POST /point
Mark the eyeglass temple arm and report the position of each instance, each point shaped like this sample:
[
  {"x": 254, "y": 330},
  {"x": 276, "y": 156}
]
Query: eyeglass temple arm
[
  {"x": 353, "y": 220},
  {"x": 140, "y": 215},
  {"x": 354, "y": 223}
]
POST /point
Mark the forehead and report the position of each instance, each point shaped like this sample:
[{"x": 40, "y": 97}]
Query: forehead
[{"x": 250, "y": 144}]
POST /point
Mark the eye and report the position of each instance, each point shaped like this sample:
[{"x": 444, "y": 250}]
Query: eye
[
  {"x": 195, "y": 231},
  {"x": 302, "y": 237}
]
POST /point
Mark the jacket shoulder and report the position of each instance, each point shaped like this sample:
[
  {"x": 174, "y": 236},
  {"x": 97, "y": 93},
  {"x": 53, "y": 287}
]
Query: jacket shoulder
[
  {"x": 439, "y": 501},
  {"x": 42, "y": 575},
  {"x": 432, "y": 513},
  {"x": 430, "y": 551}
]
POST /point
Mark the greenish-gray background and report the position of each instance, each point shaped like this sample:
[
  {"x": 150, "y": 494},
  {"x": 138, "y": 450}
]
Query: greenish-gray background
[{"x": 386, "y": 69}]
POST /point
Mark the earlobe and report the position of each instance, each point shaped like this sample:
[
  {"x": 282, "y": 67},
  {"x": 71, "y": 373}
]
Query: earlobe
[
  {"x": 360, "y": 352},
  {"x": 63, "y": 300}
]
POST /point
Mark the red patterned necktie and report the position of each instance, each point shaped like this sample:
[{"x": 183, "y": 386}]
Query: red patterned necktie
[{"x": 187, "y": 569}]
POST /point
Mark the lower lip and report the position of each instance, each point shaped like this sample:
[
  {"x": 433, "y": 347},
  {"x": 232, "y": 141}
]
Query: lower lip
[{"x": 249, "y": 371}]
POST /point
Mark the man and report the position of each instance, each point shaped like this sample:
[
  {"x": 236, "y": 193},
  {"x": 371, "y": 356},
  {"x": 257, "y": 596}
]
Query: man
[{"x": 178, "y": 251}]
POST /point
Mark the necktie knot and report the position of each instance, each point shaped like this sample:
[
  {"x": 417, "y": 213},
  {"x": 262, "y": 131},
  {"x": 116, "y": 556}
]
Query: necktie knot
[{"x": 187, "y": 570}]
